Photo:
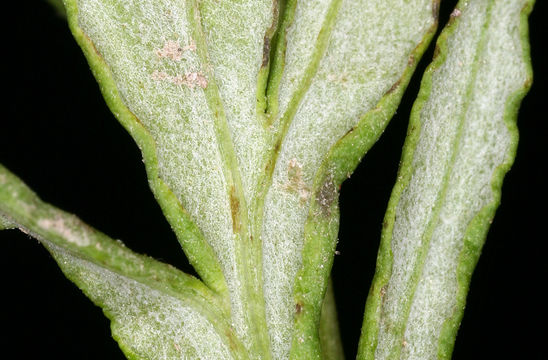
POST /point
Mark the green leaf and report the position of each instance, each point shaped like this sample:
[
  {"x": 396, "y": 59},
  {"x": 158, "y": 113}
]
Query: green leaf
[
  {"x": 155, "y": 309},
  {"x": 461, "y": 141}
]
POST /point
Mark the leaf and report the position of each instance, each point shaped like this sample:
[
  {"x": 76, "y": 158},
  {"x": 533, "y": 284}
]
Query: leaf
[
  {"x": 461, "y": 141},
  {"x": 156, "y": 310}
]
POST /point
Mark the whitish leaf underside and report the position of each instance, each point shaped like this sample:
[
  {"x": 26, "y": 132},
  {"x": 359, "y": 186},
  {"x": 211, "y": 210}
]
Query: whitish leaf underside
[
  {"x": 154, "y": 308},
  {"x": 462, "y": 141},
  {"x": 366, "y": 51}
]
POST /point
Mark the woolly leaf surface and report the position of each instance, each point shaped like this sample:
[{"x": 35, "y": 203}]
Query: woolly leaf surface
[
  {"x": 462, "y": 140},
  {"x": 157, "y": 312}
]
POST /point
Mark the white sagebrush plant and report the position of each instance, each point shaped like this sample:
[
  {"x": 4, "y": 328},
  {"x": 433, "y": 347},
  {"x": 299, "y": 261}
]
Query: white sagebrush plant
[{"x": 250, "y": 114}]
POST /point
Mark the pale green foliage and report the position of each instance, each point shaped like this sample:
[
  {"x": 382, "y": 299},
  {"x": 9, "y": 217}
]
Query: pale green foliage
[
  {"x": 250, "y": 114},
  {"x": 154, "y": 307},
  {"x": 462, "y": 140},
  {"x": 149, "y": 46},
  {"x": 353, "y": 74}
]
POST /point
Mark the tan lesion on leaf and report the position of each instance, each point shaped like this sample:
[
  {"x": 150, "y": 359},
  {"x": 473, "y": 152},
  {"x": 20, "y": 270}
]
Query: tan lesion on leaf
[
  {"x": 235, "y": 210},
  {"x": 298, "y": 308},
  {"x": 159, "y": 75},
  {"x": 190, "y": 79},
  {"x": 173, "y": 50},
  {"x": 326, "y": 195},
  {"x": 295, "y": 180},
  {"x": 339, "y": 78},
  {"x": 65, "y": 229}
]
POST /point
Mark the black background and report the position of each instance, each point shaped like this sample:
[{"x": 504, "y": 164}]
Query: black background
[{"x": 57, "y": 134}]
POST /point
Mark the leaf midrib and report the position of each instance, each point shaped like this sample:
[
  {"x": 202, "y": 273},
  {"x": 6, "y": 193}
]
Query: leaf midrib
[{"x": 246, "y": 258}]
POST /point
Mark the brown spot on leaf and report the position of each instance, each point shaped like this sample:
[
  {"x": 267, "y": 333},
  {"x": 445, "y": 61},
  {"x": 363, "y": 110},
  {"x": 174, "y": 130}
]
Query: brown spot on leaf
[
  {"x": 171, "y": 50},
  {"x": 436, "y": 51},
  {"x": 411, "y": 60},
  {"x": 411, "y": 129},
  {"x": 394, "y": 87},
  {"x": 456, "y": 13},
  {"x": 93, "y": 46},
  {"x": 231, "y": 342},
  {"x": 266, "y": 51},
  {"x": 326, "y": 196},
  {"x": 298, "y": 308},
  {"x": 296, "y": 183},
  {"x": 349, "y": 131},
  {"x": 277, "y": 146},
  {"x": 235, "y": 210},
  {"x": 191, "y": 79},
  {"x": 435, "y": 9}
]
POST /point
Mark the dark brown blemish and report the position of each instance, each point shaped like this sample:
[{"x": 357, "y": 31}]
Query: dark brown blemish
[
  {"x": 437, "y": 51},
  {"x": 266, "y": 51},
  {"x": 349, "y": 131},
  {"x": 411, "y": 130},
  {"x": 411, "y": 60},
  {"x": 277, "y": 146},
  {"x": 436, "y": 9},
  {"x": 298, "y": 308},
  {"x": 394, "y": 87},
  {"x": 527, "y": 84},
  {"x": 326, "y": 196},
  {"x": 93, "y": 46},
  {"x": 235, "y": 210}
]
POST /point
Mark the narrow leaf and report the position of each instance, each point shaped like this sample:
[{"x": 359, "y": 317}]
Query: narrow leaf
[
  {"x": 343, "y": 67},
  {"x": 182, "y": 77},
  {"x": 461, "y": 141},
  {"x": 156, "y": 310}
]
